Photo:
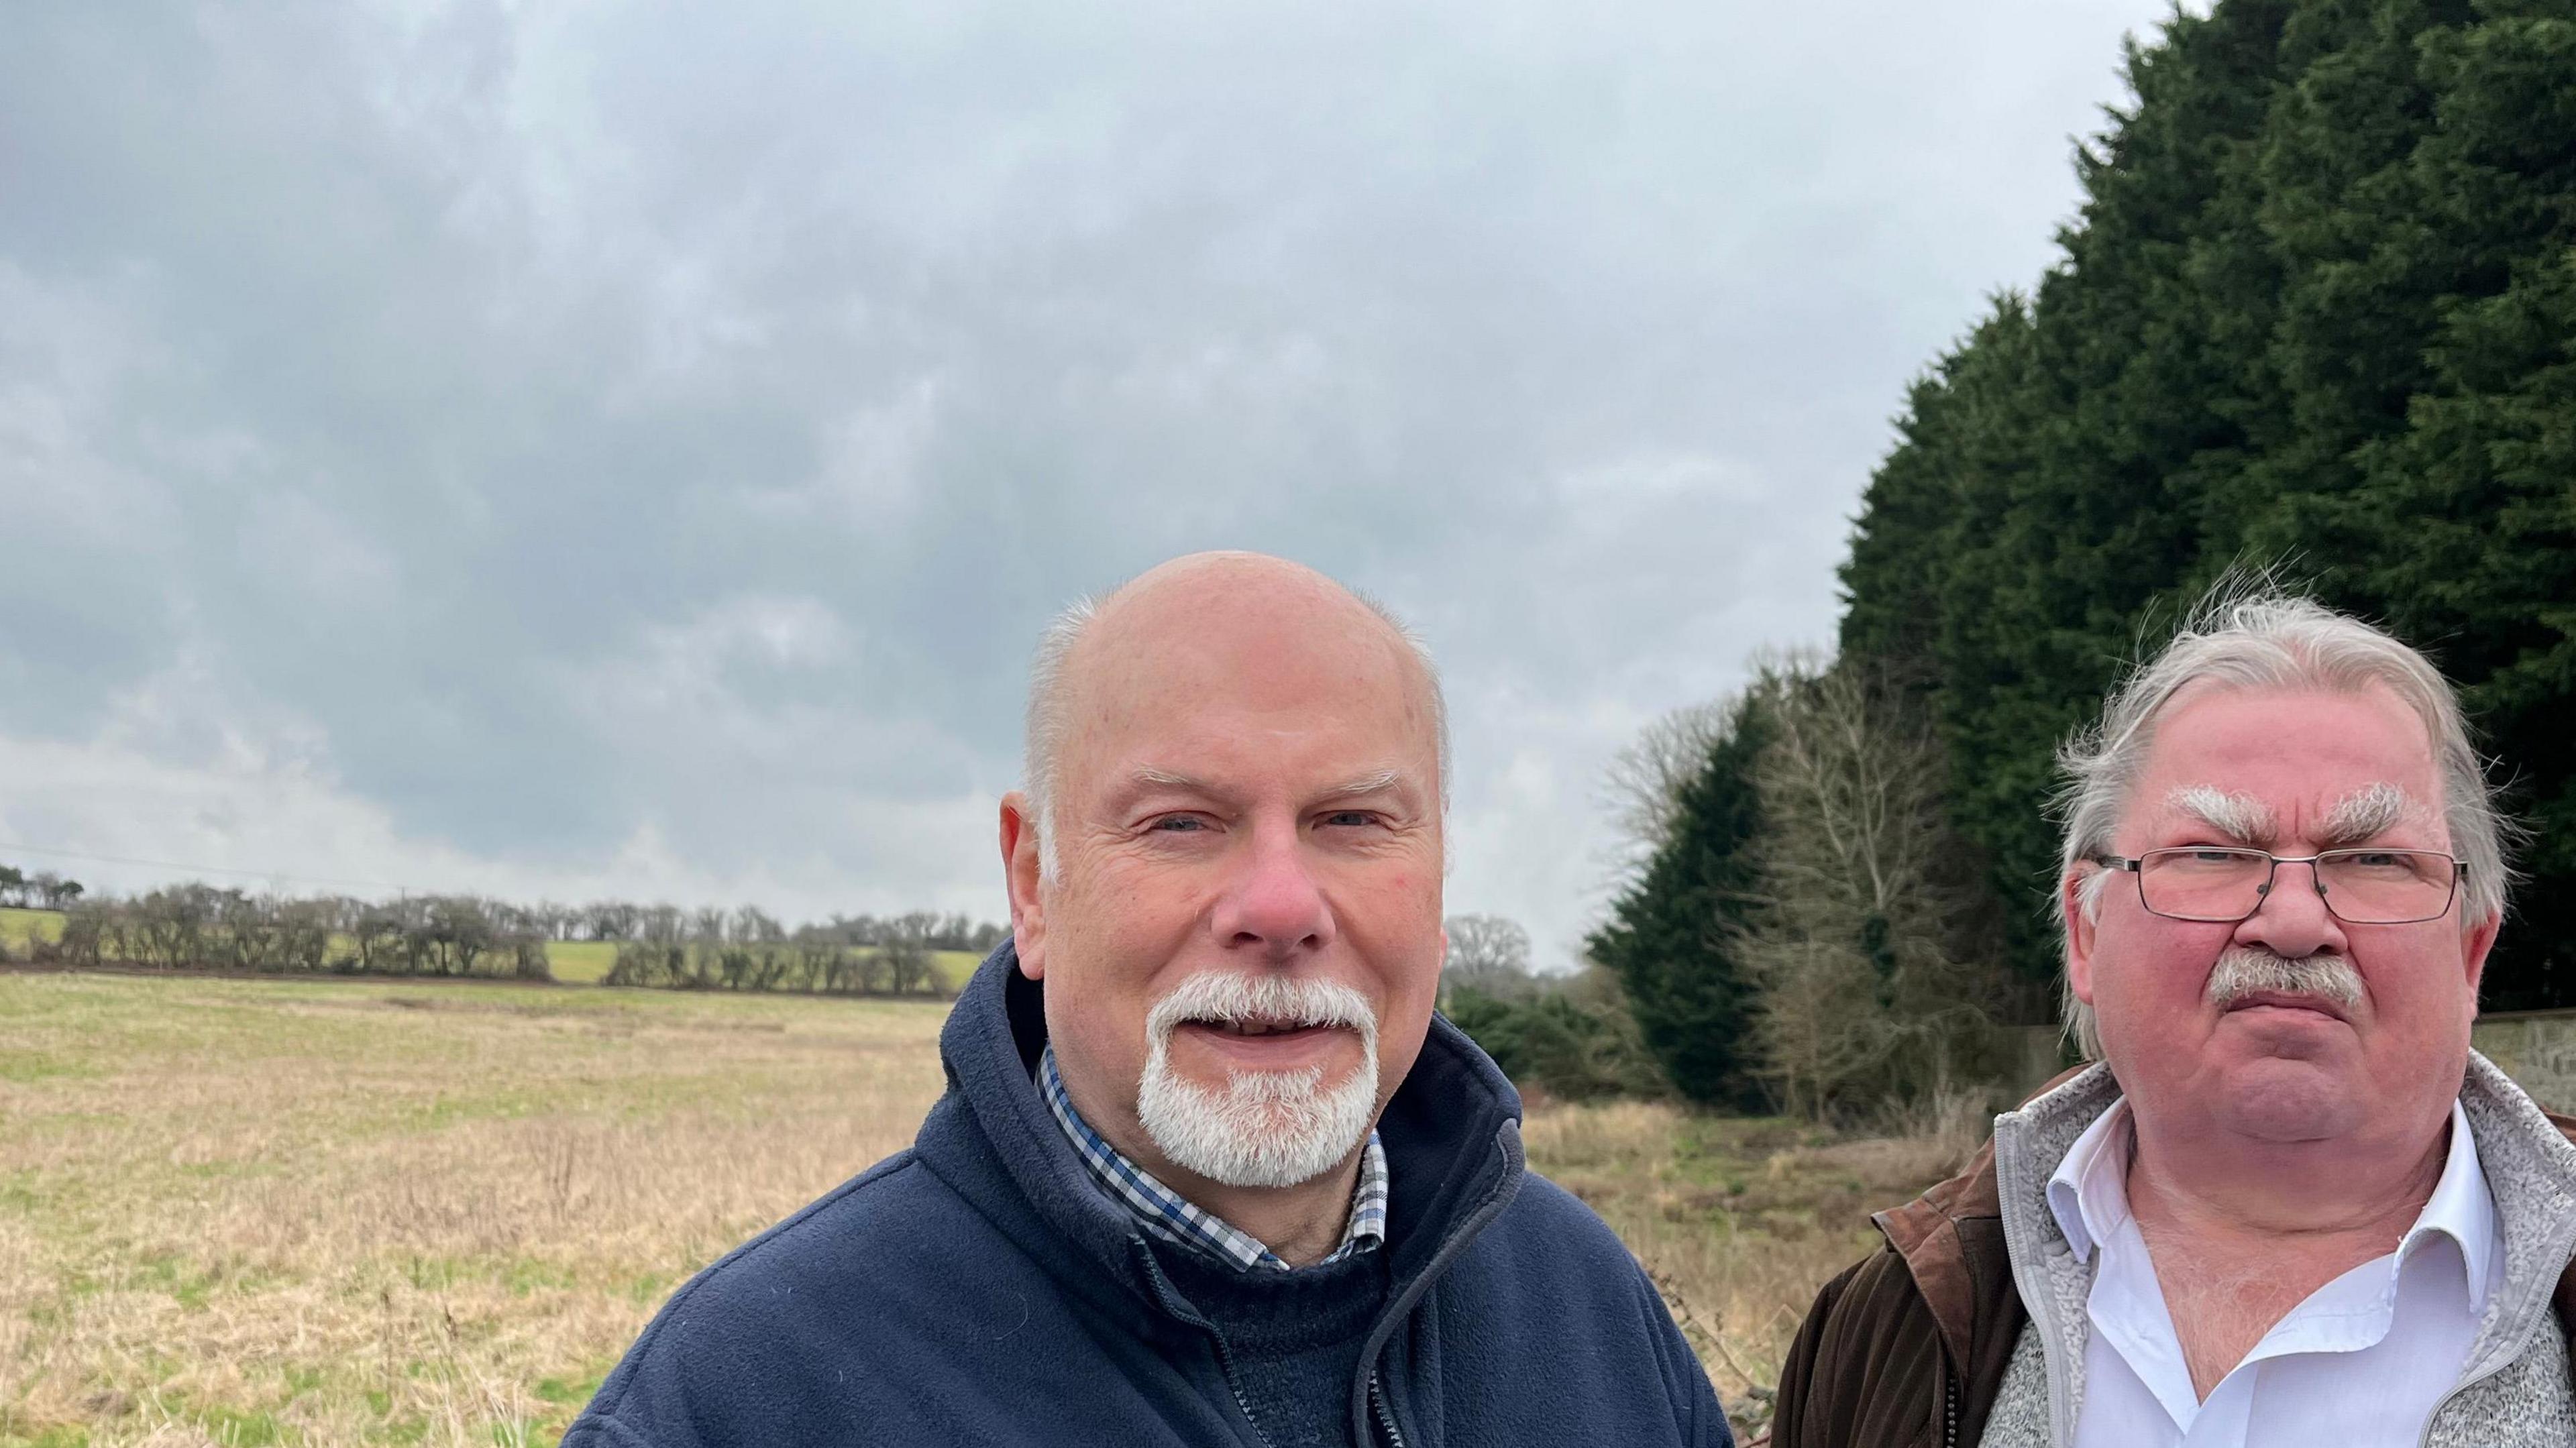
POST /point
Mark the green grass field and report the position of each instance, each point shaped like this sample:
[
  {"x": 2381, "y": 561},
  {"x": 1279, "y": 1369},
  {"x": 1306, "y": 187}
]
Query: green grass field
[
  {"x": 954, "y": 966},
  {"x": 383, "y": 1212},
  {"x": 18, "y": 927},
  {"x": 580, "y": 962}
]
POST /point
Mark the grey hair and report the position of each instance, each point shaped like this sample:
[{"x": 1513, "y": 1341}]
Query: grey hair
[
  {"x": 2248, "y": 633},
  {"x": 1048, "y": 724}
]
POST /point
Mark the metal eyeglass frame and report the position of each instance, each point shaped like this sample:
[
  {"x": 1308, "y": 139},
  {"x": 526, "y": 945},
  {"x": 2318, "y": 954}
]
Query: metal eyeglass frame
[{"x": 2136, "y": 868}]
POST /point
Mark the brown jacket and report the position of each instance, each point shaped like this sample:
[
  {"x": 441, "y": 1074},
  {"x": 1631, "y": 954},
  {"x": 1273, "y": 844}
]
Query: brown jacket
[{"x": 1907, "y": 1349}]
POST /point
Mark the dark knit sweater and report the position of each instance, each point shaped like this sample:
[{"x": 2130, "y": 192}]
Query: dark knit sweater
[
  {"x": 1293, "y": 1338},
  {"x": 981, "y": 1289}
]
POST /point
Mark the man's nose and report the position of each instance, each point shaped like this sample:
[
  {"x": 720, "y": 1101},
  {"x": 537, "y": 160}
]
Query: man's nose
[
  {"x": 1273, "y": 904},
  {"x": 2293, "y": 922}
]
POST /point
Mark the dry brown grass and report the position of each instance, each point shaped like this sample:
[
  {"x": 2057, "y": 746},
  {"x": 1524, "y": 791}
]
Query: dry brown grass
[
  {"x": 250, "y": 1212},
  {"x": 246, "y": 1212},
  {"x": 1739, "y": 1221}
]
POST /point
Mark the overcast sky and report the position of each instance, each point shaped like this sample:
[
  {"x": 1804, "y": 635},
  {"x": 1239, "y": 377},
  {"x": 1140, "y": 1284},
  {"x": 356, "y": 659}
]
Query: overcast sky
[{"x": 580, "y": 450}]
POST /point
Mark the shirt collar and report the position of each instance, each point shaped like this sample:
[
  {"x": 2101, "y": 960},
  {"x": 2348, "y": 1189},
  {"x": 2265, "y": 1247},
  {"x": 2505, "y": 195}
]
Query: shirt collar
[
  {"x": 2089, "y": 1196},
  {"x": 2461, "y": 1208},
  {"x": 2089, "y": 1192},
  {"x": 1170, "y": 1216}
]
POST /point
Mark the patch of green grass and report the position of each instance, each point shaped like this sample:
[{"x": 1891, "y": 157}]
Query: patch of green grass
[
  {"x": 25, "y": 1066},
  {"x": 19, "y": 927},
  {"x": 18, "y": 1191},
  {"x": 580, "y": 962},
  {"x": 186, "y": 1284},
  {"x": 954, "y": 966},
  {"x": 570, "y": 1392},
  {"x": 238, "y": 1429}
]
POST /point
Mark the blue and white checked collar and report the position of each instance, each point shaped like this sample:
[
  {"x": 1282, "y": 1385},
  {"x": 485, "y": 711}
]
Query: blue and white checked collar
[{"x": 1167, "y": 1215}]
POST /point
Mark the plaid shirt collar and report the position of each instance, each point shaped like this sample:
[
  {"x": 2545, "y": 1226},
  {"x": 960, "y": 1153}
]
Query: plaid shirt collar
[{"x": 1164, "y": 1213}]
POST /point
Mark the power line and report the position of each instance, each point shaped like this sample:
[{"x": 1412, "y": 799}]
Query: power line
[{"x": 200, "y": 869}]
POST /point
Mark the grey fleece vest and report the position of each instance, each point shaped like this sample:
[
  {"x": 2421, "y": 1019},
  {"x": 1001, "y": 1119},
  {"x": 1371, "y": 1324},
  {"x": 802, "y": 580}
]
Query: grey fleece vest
[{"x": 2514, "y": 1390}]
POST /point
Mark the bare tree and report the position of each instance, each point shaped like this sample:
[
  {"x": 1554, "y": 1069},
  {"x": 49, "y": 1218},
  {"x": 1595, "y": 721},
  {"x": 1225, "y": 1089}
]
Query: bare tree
[
  {"x": 300, "y": 933},
  {"x": 1643, "y": 786},
  {"x": 613, "y": 919},
  {"x": 1487, "y": 953},
  {"x": 908, "y": 965},
  {"x": 1874, "y": 976},
  {"x": 169, "y": 926},
  {"x": 46, "y": 890}
]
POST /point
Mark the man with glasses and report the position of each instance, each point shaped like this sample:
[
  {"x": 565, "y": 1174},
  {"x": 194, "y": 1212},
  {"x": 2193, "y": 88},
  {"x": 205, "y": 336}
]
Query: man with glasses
[{"x": 2287, "y": 1204}]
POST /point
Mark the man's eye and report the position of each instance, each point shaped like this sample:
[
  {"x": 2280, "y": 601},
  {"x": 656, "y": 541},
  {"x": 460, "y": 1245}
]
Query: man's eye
[
  {"x": 1350, "y": 817},
  {"x": 1178, "y": 824}
]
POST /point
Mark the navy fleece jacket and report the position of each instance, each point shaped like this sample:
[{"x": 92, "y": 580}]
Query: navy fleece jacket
[{"x": 979, "y": 1289}]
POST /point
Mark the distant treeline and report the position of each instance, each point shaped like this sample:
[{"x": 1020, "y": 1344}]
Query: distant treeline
[
  {"x": 747, "y": 949},
  {"x": 206, "y": 927},
  {"x": 43, "y": 890},
  {"x": 203, "y": 927},
  {"x": 624, "y": 920}
]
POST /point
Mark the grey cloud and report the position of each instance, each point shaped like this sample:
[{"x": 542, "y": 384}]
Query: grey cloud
[{"x": 573, "y": 429}]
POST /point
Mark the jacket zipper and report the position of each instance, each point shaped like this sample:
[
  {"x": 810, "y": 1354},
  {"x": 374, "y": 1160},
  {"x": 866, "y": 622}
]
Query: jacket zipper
[
  {"x": 1385, "y": 1414},
  {"x": 1164, "y": 1295},
  {"x": 1949, "y": 1409},
  {"x": 1507, "y": 1143},
  {"x": 1225, "y": 1366},
  {"x": 2462, "y": 1386}
]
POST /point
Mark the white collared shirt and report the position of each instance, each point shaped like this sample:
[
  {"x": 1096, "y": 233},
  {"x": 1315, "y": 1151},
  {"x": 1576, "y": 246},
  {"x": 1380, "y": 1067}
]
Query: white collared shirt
[{"x": 2360, "y": 1364}]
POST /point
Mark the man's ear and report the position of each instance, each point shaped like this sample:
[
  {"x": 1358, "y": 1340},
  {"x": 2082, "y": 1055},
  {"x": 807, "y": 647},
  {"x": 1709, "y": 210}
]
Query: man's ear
[
  {"x": 2474, "y": 946},
  {"x": 2079, "y": 935},
  {"x": 1020, "y": 877}
]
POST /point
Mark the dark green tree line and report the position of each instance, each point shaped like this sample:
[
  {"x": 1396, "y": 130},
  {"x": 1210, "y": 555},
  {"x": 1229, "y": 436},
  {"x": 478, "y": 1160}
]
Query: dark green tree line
[{"x": 2318, "y": 310}]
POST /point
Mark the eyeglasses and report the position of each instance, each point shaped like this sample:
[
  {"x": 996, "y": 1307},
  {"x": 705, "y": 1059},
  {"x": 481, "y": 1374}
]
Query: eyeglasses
[{"x": 2360, "y": 887}]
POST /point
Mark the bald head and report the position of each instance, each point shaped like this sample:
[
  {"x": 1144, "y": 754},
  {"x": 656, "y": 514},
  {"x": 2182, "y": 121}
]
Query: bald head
[
  {"x": 1234, "y": 784},
  {"x": 1235, "y": 620}
]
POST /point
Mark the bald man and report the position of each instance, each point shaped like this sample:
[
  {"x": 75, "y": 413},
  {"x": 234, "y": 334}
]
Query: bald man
[{"x": 1208, "y": 1169}]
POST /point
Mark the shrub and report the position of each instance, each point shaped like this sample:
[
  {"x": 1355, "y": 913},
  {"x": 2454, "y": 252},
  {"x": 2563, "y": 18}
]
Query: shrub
[{"x": 1576, "y": 1040}]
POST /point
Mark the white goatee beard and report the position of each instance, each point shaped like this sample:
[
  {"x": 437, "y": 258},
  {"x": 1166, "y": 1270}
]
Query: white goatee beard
[{"x": 1265, "y": 1128}]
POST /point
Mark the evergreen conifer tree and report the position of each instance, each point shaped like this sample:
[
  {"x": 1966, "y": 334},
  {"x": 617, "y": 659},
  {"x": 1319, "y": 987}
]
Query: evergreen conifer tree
[
  {"x": 1668, "y": 937},
  {"x": 2318, "y": 309}
]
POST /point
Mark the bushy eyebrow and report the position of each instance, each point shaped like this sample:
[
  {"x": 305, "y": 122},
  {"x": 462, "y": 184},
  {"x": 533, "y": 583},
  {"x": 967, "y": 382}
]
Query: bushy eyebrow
[
  {"x": 2365, "y": 813},
  {"x": 1384, "y": 779},
  {"x": 2238, "y": 816},
  {"x": 1147, "y": 777},
  {"x": 2369, "y": 811}
]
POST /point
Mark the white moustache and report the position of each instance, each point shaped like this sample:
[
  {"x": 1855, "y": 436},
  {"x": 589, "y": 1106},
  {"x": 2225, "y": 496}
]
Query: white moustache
[
  {"x": 2247, "y": 969},
  {"x": 1287, "y": 1002}
]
